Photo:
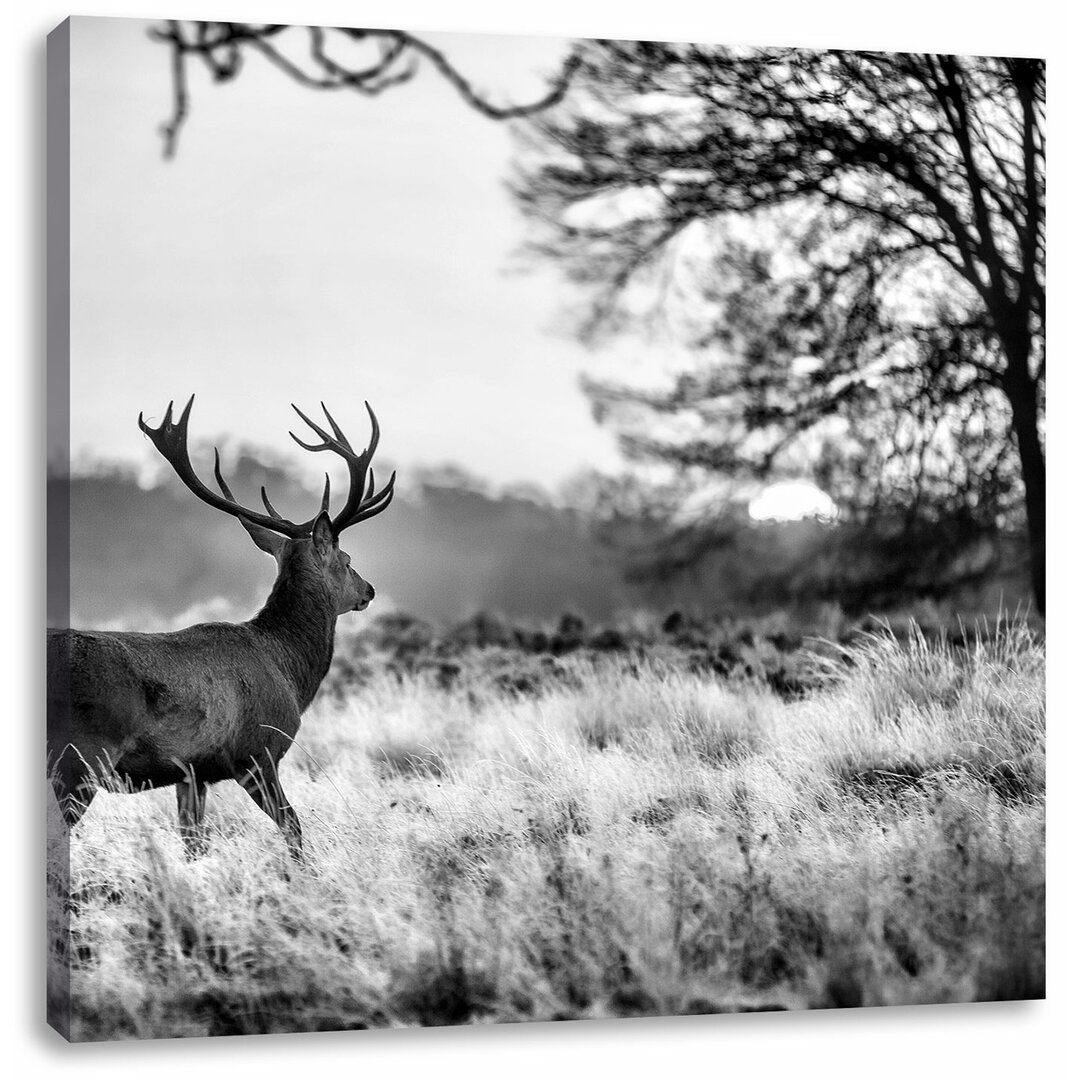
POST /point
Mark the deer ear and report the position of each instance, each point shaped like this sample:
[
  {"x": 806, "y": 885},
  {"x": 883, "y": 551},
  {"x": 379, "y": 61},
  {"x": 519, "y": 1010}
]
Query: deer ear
[
  {"x": 322, "y": 535},
  {"x": 268, "y": 541}
]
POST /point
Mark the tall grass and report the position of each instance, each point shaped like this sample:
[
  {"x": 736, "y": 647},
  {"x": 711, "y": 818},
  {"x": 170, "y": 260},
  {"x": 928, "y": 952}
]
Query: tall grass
[{"x": 628, "y": 843}]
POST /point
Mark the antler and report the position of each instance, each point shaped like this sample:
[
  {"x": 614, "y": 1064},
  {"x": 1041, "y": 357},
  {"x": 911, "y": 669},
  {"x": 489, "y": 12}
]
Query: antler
[
  {"x": 171, "y": 442},
  {"x": 363, "y": 501}
]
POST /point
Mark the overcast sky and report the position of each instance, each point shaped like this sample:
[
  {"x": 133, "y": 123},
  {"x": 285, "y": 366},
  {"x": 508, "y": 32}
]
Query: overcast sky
[{"x": 306, "y": 246}]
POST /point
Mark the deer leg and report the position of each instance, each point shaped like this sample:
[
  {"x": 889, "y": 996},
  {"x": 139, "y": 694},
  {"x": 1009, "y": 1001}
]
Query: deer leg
[
  {"x": 190, "y": 805},
  {"x": 262, "y": 784}
]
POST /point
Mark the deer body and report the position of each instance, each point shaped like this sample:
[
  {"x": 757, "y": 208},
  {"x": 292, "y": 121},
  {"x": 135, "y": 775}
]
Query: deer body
[{"x": 214, "y": 701}]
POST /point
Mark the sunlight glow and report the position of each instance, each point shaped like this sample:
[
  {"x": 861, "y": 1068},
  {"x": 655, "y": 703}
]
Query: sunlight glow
[{"x": 792, "y": 500}]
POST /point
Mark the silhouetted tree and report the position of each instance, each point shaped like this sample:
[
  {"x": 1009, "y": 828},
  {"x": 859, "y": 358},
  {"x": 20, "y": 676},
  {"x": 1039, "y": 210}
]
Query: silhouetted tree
[
  {"x": 362, "y": 61},
  {"x": 855, "y": 240}
]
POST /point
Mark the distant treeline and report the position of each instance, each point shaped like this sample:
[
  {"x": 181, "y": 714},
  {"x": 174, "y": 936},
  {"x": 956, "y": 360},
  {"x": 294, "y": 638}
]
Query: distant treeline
[{"x": 154, "y": 557}]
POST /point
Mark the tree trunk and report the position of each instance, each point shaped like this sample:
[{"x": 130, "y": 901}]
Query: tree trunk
[{"x": 1023, "y": 397}]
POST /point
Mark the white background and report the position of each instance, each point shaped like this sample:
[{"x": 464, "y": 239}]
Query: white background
[{"x": 1012, "y": 1040}]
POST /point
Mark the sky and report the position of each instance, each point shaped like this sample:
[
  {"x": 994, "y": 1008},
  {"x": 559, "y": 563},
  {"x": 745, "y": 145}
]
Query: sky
[{"x": 306, "y": 247}]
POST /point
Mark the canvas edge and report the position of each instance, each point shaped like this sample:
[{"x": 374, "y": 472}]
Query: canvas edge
[{"x": 58, "y": 456}]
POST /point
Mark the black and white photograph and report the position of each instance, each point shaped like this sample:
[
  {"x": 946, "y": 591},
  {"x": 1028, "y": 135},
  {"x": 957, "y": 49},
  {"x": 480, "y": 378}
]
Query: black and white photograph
[{"x": 539, "y": 528}]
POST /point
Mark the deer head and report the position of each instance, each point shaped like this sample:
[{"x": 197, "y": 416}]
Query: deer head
[{"x": 309, "y": 547}]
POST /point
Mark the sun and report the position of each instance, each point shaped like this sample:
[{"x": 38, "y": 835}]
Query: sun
[{"x": 792, "y": 500}]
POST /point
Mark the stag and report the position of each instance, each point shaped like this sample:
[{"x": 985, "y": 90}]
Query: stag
[{"x": 215, "y": 701}]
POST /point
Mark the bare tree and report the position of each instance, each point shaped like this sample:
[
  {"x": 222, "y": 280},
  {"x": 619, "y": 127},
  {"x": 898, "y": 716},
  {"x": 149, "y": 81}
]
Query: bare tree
[{"x": 892, "y": 277}]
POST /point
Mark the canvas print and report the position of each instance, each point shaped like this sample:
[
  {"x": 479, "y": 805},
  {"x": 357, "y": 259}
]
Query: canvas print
[{"x": 539, "y": 529}]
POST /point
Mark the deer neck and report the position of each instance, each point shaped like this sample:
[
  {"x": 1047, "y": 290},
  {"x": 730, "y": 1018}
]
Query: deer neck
[{"x": 299, "y": 616}]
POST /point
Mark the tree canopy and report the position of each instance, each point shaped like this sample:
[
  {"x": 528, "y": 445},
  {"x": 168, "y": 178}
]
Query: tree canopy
[{"x": 851, "y": 242}]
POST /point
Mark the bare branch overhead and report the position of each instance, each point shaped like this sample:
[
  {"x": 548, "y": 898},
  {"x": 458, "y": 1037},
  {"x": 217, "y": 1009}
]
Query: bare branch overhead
[{"x": 388, "y": 58}]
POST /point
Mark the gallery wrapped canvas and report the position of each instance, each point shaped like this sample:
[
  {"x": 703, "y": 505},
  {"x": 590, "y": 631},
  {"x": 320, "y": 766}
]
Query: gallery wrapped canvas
[{"x": 645, "y": 616}]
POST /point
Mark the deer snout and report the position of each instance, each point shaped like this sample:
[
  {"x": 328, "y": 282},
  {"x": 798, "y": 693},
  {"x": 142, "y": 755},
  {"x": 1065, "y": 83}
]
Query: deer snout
[{"x": 367, "y": 594}]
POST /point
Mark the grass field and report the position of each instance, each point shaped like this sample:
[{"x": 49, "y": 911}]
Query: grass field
[{"x": 619, "y": 834}]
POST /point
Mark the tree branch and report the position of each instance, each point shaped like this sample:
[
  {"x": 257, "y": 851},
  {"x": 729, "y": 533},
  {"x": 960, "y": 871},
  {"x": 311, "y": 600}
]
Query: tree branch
[{"x": 211, "y": 40}]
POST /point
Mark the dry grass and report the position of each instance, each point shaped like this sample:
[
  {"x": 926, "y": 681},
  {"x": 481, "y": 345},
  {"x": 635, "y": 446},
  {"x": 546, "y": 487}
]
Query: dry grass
[{"x": 629, "y": 845}]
